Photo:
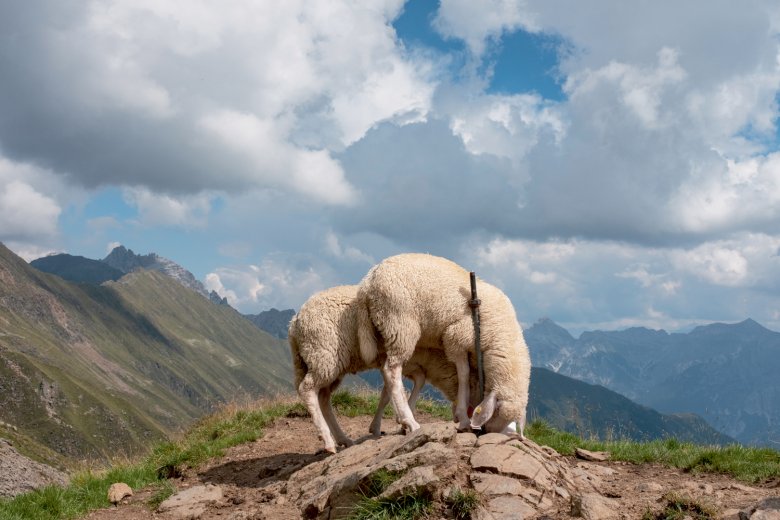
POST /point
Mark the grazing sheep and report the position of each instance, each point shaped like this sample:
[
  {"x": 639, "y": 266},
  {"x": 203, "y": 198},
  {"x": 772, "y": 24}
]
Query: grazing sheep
[
  {"x": 328, "y": 337},
  {"x": 418, "y": 301}
]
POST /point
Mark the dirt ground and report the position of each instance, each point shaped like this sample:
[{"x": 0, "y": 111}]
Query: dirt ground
[{"x": 247, "y": 473}]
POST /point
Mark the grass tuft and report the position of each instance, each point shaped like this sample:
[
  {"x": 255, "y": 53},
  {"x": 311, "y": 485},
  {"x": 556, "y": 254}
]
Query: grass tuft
[
  {"x": 744, "y": 463},
  {"x": 679, "y": 507},
  {"x": 464, "y": 503}
]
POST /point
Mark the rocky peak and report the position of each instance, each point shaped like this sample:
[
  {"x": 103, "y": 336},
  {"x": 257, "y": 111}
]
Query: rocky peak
[{"x": 126, "y": 261}]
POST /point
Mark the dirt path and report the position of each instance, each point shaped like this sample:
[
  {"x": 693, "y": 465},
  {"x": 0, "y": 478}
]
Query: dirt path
[{"x": 250, "y": 476}]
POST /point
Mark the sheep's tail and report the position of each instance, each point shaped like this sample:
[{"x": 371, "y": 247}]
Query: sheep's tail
[
  {"x": 299, "y": 365},
  {"x": 367, "y": 339}
]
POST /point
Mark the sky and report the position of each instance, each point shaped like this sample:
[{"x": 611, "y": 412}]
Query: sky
[{"x": 607, "y": 164}]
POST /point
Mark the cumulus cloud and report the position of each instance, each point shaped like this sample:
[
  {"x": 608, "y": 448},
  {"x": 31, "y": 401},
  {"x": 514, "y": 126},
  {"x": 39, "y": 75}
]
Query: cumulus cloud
[{"x": 155, "y": 209}]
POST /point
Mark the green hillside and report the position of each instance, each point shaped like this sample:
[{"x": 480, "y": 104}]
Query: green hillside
[{"x": 96, "y": 371}]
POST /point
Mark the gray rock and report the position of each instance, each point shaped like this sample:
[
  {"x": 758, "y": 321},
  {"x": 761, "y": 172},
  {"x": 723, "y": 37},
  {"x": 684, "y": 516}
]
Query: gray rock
[
  {"x": 20, "y": 474},
  {"x": 510, "y": 508},
  {"x": 492, "y": 438},
  {"x": 465, "y": 439},
  {"x": 417, "y": 480},
  {"x": 649, "y": 487},
  {"x": 592, "y": 456},
  {"x": 592, "y": 506},
  {"x": 508, "y": 460},
  {"x": 190, "y": 503},
  {"x": 490, "y": 484},
  {"x": 118, "y": 491}
]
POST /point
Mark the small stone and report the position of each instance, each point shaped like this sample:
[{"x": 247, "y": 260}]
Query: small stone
[
  {"x": 281, "y": 501},
  {"x": 592, "y": 456},
  {"x": 706, "y": 489},
  {"x": 119, "y": 491},
  {"x": 649, "y": 487}
]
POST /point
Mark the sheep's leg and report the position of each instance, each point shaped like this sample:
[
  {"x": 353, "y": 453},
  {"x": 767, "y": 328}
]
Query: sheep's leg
[
  {"x": 418, "y": 376},
  {"x": 392, "y": 373},
  {"x": 309, "y": 391},
  {"x": 330, "y": 417},
  {"x": 461, "y": 361},
  {"x": 376, "y": 424}
]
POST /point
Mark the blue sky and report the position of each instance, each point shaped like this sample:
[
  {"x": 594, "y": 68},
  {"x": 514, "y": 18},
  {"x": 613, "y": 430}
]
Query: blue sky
[{"x": 606, "y": 165}]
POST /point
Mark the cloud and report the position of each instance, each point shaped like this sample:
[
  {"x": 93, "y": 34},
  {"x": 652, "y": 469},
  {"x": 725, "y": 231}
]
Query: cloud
[{"x": 156, "y": 209}]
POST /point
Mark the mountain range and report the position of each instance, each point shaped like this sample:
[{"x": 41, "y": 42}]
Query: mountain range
[
  {"x": 727, "y": 373},
  {"x": 90, "y": 371},
  {"x": 94, "y": 366}
]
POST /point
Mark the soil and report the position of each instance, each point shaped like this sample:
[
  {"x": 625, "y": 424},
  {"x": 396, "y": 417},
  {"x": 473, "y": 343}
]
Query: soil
[{"x": 251, "y": 474}]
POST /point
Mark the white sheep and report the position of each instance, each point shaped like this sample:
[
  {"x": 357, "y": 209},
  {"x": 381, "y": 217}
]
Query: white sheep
[
  {"x": 418, "y": 301},
  {"x": 327, "y": 337}
]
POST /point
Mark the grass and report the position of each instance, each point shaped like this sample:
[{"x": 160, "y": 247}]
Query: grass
[
  {"x": 208, "y": 438},
  {"x": 679, "y": 507},
  {"x": 463, "y": 503},
  {"x": 236, "y": 424},
  {"x": 405, "y": 507},
  {"x": 744, "y": 463}
]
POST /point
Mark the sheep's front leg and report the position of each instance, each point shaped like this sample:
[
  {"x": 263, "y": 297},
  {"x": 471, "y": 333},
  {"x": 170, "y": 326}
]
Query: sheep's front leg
[
  {"x": 392, "y": 373},
  {"x": 461, "y": 361},
  {"x": 308, "y": 392}
]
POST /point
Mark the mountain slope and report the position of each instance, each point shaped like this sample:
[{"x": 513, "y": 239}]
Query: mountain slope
[
  {"x": 273, "y": 321},
  {"x": 594, "y": 411},
  {"x": 92, "y": 371},
  {"x": 727, "y": 373},
  {"x": 77, "y": 268}
]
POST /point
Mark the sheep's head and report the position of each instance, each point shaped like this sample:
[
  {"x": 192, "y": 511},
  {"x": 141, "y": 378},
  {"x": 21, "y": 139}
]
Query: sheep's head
[{"x": 499, "y": 415}]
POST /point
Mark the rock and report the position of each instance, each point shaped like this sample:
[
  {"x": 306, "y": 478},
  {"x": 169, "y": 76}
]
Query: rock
[
  {"x": 649, "y": 487},
  {"x": 417, "y": 480},
  {"x": 707, "y": 489},
  {"x": 508, "y": 460},
  {"x": 190, "y": 503},
  {"x": 592, "y": 456},
  {"x": 509, "y": 508},
  {"x": 465, "y": 439},
  {"x": 490, "y": 484},
  {"x": 729, "y": 514},
  {"x": 19, "y": 474},
  {"x": 592, "y": 506},
  {"x": 492, "y": 438},
  {"x": 118, "y": 491},
  {"x": 767, "y": 509}
]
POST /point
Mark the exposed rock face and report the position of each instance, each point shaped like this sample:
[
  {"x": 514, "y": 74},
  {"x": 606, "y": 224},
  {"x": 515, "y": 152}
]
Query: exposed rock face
[
  {"x": 19, "y": 474},
  {"x": 273, "y": 321},
  {"x": 518, "y": 479},
  {"x": 126, "y": 261}
]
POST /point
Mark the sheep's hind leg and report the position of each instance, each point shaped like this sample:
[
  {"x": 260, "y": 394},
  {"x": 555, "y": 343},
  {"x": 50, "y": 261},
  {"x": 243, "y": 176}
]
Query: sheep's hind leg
[
  {"x": 376, "y": 423},
  {"x": 418, "y": 376},
  {"x": 309, "y": 395},
  {"x": 330, "y": 417}
]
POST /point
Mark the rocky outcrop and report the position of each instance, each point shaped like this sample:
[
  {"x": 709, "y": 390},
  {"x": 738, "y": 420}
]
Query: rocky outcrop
[{"x": 19, "y": 474}]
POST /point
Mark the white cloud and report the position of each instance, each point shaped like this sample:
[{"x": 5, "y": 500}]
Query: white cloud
[
  {"x": 157, "y": 209},
  {"x": 476, "y": 22},
  {"x": 351, "y": 253},
  {"x": 26, "y": 214}
]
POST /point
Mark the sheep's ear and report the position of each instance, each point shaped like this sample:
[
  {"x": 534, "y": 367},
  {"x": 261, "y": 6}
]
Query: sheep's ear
[{"x": 484, "y": 411}]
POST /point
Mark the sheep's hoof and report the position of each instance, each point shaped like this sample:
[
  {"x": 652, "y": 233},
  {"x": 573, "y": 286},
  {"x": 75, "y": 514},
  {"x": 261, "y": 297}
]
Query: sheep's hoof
[{"x": 330, "y": 451}]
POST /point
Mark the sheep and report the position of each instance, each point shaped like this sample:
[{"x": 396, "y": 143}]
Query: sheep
[
  {"x": 327, "y": 338},
  {"x": 419, "y": 301}
]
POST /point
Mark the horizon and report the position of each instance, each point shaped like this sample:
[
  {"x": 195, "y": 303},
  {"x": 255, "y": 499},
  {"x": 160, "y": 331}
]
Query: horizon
[{"x": 592, "y": 161}]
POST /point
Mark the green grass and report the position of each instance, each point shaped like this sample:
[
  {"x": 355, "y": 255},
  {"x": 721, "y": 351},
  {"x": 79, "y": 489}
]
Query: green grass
[
  {"x": 405, "y": 507},
  {"x": 679, "y": 507},
  {"x": 353, "y": 404},
  {"x": 743, "y": 463},
  {"x": 206, "y": 439},
  {"x": 463, "y": 503}
]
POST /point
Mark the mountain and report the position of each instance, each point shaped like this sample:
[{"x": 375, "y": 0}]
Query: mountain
[
  {"x": 594, "y": 411},
  {"x": 274, "y": 322},
  {"x": 727, "y": 373},
  {"x": 77, "y": 268},
  {"x": 93, "y": 371},
  {"x": 126, "y": 261}
]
